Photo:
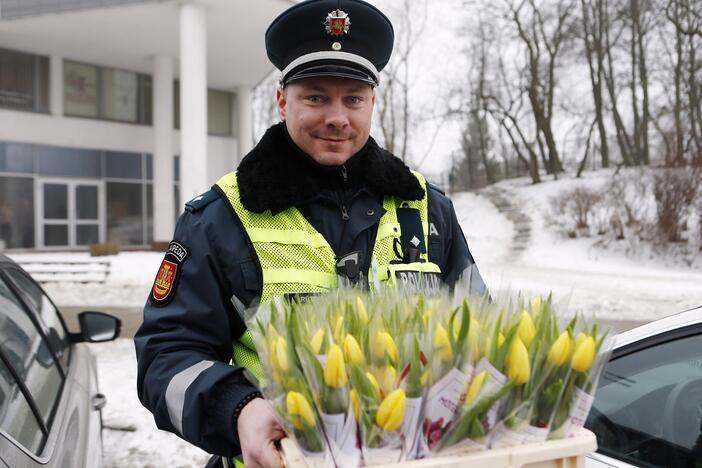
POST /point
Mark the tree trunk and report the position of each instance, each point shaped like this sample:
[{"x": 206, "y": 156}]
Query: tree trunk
[
  {"x": 643, "y": 76},
  {"x": 633, "y": 11},
  {"x": 677, "y": 105}
]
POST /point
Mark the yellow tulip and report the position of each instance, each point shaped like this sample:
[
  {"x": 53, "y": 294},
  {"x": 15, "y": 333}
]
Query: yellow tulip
[
  {"x": 317, "y": 341},
  {"x": 474, "y": 339},
  {"x": 536, "y": 304},
  {"x": 300, "y": 410},
  {"x": 384, "y": 345},
  {"x": 475, "y": 387},
  {"x": 387, "y": 378},
  {"x": 354, "y": 403},
  {"x": 442, "y": 344},
  {"x": 335, "y": 368},
  {"x": 373, "y": 382},
  {"x": 584, "y": 355},
  {"x": 579, "y": 339},
  {"x": 352, "y": 351},
  {"x": 391, "y": 411},
  {"x": 518, "y": 362},
  {"x": 526, "y": 329},
  {"x": 560, "y": 350},
  {"x": 500, "y": 339},
  {"x": 279, "y": 355},
  {"x": 362, "y": 312},
  {"x": 337, "y": 325}
]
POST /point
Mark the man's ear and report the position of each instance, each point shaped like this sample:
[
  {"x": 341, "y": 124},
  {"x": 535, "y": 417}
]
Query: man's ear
[{"x": 281, "y": 98}]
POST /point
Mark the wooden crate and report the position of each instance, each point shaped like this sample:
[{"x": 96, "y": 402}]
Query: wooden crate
[{"x": 565, "y": 453}]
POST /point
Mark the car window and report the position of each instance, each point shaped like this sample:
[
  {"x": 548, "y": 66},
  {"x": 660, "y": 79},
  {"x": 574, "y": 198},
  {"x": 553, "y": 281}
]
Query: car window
[
  {"x": 28, "y": 354},
  {"x": 648, "y": 408},
  {"x": 16, "y": 417},
  {"x": 48, "y": 316}
]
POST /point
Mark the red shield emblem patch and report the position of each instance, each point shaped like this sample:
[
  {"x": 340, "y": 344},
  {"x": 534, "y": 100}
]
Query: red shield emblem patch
[
  {"x": 337, "y": 26},
  {"x": 164, "y": 280},
  {"x": 337, "y": 23}
]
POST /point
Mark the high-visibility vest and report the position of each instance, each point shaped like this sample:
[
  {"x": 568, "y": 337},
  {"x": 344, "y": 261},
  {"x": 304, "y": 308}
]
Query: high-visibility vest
[{"x": 296, "y": 259}]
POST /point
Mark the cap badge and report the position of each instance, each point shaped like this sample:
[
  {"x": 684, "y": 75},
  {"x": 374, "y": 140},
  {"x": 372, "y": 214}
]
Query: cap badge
[{"x": 337, "y": 23}]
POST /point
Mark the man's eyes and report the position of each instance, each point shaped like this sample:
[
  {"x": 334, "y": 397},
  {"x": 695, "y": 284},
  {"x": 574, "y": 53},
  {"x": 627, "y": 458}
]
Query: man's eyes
[
  {"x": 315, "y": 99},
  {"x": 319, "y": 99}
]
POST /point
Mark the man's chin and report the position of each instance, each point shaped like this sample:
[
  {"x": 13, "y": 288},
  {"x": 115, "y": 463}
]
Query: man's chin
[{"x": 328, "y": 158}]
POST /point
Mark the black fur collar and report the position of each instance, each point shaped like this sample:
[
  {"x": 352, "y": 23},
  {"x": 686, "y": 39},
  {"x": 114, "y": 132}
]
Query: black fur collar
[{"x": 276, "y": 174}]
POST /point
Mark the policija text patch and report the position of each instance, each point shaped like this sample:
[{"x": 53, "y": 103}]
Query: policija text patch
[{"x": 168, "y": 273}]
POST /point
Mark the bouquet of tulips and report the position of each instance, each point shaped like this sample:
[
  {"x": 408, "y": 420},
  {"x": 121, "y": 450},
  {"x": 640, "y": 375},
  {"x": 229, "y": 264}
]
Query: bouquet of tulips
[
  {"x": 577, "y": 382},
  {"x": 284, "y": 384},
  {"x": 364, "y": 379}
]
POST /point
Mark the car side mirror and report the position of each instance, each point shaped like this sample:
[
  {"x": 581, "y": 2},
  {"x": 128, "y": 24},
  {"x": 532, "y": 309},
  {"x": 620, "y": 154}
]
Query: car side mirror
[{"x": 96, "y": 327}]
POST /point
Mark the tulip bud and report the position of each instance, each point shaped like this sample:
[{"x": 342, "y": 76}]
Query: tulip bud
[
  {"x": 560, "y": 350},
  {"x": 352, "y": 351},
  {"x": 500, "y": 339},
  {"x": 442, "y": 344},
  {"x": 362, "y": 312},
  {"x": 475, "y": 387},
  {"x": 474, "y": 339},
  {"x": 387, "y": 378},
  {"x": 518, "y": 362},
  {"x": 526, "y": 329},
  {"x": 536, "y": 304},
  {"x": 300, "y": 410},
  {"x": 335, "y": 368},
  {"x": 374, "y": 383},
  {"x": 584, "y": 355},
  {"x": 354, "y": 403},
  {"x": 317, "y": 341},
  {"x": 579, "y": 339},
  {"x": 391, "y": 411},
  {"x": 384, "y": 345},
  {"x": 279, "y": 355},
  {"x": 337, "y": 326}
]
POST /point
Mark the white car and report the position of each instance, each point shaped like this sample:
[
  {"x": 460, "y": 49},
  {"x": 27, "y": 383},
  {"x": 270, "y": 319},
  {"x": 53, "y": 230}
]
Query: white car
[
  {"x": 648, "y": 406},
  {"x": 50, "y": 406}
]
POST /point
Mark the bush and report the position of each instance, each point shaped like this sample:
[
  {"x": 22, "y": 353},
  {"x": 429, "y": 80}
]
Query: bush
[
  {"x": 630, "y": 203},
  {"x": 675, "y": 191},
  {"x": 107, "y": 248},
  {"x": 573, "y": 211}
]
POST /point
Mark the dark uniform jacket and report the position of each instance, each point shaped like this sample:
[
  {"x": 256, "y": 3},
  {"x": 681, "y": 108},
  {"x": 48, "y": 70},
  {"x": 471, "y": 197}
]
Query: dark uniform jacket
[{"x": 185, "y": 342}]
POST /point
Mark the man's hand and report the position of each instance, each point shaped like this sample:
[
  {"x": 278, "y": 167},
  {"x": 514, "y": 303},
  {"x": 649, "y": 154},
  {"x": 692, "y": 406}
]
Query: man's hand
[{"x": 259, "y": 430}]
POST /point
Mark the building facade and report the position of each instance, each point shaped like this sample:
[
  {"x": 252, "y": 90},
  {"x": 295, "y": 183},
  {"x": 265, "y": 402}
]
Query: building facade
[{"x": 113, "y": 113}]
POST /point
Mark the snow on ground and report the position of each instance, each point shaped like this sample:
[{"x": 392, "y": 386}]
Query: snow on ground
[{"x": 146, "y": 446}]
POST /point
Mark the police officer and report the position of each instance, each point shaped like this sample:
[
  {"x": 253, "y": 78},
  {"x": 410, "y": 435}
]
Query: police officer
[{"x": 316, "y": 203}]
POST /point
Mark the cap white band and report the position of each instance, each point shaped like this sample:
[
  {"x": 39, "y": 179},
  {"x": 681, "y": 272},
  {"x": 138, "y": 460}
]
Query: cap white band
[{"x": 333, "y": 55}]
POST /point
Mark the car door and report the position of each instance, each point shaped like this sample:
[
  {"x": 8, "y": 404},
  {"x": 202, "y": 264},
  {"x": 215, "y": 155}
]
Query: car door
[
  {"x": 35, "y": 351},
  {"x": 648, "y": 406}
]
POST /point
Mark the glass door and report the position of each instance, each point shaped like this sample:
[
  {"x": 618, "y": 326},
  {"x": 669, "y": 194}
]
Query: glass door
[{"x": 70, "y": 213}]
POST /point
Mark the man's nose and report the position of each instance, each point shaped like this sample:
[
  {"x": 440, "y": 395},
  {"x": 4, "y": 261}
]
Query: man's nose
[{"x": 336, "y": 114}]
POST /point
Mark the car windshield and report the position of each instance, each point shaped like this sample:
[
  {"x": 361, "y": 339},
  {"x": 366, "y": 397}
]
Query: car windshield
[{"x": 648, "y": 409}]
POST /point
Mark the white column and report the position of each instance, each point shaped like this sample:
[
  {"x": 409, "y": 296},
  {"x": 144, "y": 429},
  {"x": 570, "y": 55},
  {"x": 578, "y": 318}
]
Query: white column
[
  {"x": 164, "y": 203},
  {"x": 193, "y": 102},
  {"x": 245, "y": 120},
  {"x": 56, "y": 85}
]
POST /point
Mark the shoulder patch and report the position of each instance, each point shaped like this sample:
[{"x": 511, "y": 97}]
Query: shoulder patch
[
  {"x": 168, "y": 274},
  {"x": 201, "y": 201},
  {"x": 436, "y": 187}
]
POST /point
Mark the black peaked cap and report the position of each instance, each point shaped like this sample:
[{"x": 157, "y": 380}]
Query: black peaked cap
[{"x": 348, "y": 38}]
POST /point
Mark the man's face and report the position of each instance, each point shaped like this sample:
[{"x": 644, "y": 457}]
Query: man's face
[{"x": 329, "y": 118}]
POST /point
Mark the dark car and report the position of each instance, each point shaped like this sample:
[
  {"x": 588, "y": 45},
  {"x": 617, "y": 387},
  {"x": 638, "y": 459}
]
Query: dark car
[{"x": 50, "y": 407}]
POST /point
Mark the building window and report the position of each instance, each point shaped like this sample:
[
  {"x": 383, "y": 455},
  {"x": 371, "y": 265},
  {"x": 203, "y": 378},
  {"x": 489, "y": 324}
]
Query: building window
[
  {"x": 125, "y": 213},
  {"x": 219, "y": 111},
  {"x": 24, "y": 81},
  {"x": 106, "y": 93},
  {"x": 17, "y": 212}
]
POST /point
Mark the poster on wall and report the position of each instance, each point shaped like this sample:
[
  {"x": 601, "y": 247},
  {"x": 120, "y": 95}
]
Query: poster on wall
[{"x": 80, "y": 89}]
